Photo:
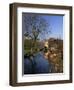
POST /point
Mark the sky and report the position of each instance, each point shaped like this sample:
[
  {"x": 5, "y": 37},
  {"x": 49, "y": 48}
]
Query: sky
[{"x": 55, "y": 23}]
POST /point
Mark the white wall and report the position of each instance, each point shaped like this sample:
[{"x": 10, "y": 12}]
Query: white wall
[{"x": 4, "y": 46}]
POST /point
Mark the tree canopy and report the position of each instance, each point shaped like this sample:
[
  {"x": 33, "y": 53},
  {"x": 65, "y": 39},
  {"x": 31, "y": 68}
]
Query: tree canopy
[{"x": 35, "y": 26}]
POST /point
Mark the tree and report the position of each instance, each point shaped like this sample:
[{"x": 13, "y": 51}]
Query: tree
[{"x": 35, "y": 27}]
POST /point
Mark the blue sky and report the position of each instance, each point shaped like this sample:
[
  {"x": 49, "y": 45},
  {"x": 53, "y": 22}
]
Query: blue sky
[{"x": 55, "y": 23}]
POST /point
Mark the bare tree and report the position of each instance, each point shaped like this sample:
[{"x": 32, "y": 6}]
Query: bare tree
[{"x": 35, "y": 27}]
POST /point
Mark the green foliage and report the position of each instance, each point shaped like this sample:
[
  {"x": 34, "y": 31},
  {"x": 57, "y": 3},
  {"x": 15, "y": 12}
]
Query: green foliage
[{"x": 30, "y": 47}]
